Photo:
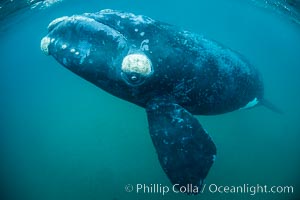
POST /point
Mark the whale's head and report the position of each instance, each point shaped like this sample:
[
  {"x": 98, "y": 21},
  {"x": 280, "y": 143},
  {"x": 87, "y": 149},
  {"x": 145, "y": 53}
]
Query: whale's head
[{"x": 108, "y": 48}]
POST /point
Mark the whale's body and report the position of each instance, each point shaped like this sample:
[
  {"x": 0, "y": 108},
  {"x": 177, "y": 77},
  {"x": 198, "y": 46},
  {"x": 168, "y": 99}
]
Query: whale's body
[{"x": 172, "y": 73}]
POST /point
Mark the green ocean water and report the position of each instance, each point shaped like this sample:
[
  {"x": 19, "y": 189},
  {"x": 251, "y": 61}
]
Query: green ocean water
[{"x": 62, "y": 138}]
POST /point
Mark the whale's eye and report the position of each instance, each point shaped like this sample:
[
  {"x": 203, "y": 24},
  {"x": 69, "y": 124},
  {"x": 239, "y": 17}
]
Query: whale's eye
[
  {"x": 136, "y": 68},
  {"x": 134, "y": 78}
]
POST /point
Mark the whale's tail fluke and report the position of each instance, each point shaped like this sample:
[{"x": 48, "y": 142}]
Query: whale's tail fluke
[{"x": 271, "y": 106}]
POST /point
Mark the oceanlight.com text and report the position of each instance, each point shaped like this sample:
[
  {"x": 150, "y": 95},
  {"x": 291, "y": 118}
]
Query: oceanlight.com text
[{"x": 208, "y": 188}]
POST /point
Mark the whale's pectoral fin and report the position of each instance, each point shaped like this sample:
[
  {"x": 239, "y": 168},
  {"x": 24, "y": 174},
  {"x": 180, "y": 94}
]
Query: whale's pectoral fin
[{"x": 185, "y": 151}]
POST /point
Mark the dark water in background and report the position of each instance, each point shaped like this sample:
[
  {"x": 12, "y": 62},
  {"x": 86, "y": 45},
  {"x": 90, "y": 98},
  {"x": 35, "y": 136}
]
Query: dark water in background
[{"x": 63, "y": 138}]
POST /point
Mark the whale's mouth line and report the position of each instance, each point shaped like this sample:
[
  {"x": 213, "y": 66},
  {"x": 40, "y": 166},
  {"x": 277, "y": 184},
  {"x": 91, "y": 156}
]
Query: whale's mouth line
[
  {"x": 57, "y": 41},
  {"x": 81, "y": 43},
  {"x": 78, "y": 23}
]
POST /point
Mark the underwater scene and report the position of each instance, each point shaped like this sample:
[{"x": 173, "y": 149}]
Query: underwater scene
[{"x": 122, "y": 100}]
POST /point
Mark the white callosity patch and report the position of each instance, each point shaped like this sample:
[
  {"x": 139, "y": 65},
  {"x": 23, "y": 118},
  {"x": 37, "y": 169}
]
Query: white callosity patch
[
  {"x": 137, "y": 63},
  {"x": 76, "y": 18},
  {"x": 56, "y": 21},
  {"x": 251, "y": 104},
  {"x": 44, "y": 45},
  {"x": 141, "y": 19},
  {"x": 64, "y": 46},
  {"x": 136, "y": 19},
  {"x": 144, "y": 45}
]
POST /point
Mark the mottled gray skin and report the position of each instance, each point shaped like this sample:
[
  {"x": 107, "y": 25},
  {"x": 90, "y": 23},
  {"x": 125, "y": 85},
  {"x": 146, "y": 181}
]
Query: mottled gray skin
[
  {"x": 190, "y": 75},
  {"x": 201, "y": 75}
]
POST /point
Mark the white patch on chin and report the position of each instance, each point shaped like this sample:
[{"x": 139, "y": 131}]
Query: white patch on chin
[{"x": 251, "y": 104}]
